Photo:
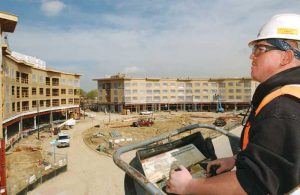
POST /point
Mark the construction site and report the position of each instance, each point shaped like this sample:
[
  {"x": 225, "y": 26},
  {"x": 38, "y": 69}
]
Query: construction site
[{"x": 32, "y": 161}]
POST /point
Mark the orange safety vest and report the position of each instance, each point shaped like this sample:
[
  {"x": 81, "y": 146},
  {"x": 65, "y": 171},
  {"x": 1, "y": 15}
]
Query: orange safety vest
[{"x": 293, "y": 90}]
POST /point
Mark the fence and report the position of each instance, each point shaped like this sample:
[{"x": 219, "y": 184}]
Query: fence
[{"x": 51, "y": 165}]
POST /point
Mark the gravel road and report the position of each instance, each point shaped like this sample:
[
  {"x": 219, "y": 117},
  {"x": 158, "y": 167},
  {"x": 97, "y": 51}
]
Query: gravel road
[{"x": 88, "y": 172}]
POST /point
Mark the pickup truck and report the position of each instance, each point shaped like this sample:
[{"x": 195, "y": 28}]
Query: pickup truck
[{"x": 63, "y": 140}]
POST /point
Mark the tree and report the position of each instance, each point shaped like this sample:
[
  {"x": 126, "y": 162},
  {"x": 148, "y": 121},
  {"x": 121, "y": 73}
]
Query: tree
[
  {"x": 92, "y": 94},
  {"x": 82, "y": 93}
]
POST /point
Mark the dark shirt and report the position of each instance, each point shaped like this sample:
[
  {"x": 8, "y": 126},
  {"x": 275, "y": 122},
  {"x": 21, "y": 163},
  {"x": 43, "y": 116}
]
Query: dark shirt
[{"x": 271, "y": 162}]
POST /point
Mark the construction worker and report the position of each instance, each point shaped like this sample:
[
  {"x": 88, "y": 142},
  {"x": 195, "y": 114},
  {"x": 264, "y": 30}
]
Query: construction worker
[{"x": 269, "y": 161}]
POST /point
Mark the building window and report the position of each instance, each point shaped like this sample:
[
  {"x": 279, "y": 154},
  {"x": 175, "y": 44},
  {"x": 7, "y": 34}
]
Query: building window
[
  {"x": 41, "y": 91},
  {"x": 230, "y": 84},
  {"x": 149, "y": 91},
  {"x": 180, "y": 85},
  {"x": 197, "y": 91},
  {"x": 188, "y": 91},
  {"x": 115, "y": 99},
  {"x": 33, "y": 91},
  {"x": 172, "y": 84},
  {"x": 149, "y": 99},
  {"x": 13, "y": 107},
  {"x": 48, "y": 92},
  {"x": 12, "y": 90},
  {"x": 230, "y": 90},
  {"x": 63, "y": 101},
  {"x": 247, "y": 90},
  {"x": 70, "y": 91},
  {"x": 127, "y": 92},
  {"x": 188, "y": 85},
  {"x": 222, "y": 85},
  {"x": 156, "y": 91},
  {"x": 156, "y": 98},
  {"x": 247, "y": 84},
  {"x": 197, "y": 84},
  {"x": 34, "y": 104},
  {"x": 230, "y": 97},
  {"x": 148, "y": 84},
  {"x": 156, "y": 84},
  {"x": 127, "y": 99},
  {"x": 63, "y": 91},
  {"x": 165, "y": 91},
  {"x": 127, "y": 84},
  {"x": 238, "y": 90},
  {"x": 189, "y": 98},
  {"x": 213, "y": 84},
  {"x": 165, "y": 84},
  {"x": 180, "y": 98}
]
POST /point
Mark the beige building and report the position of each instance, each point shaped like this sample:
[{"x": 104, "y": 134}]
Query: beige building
[
  {"x": 119, "y": 92},
  {"x": 34, "y": 96}
]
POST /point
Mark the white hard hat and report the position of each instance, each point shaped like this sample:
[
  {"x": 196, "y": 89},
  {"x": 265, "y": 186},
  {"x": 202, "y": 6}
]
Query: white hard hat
[{"x": 281, "y": 26}]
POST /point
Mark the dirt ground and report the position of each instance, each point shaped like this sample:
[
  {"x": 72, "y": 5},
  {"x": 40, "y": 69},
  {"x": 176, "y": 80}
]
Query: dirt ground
[
  {"x": 100, "y": 136},
  {"x": 28, "y": 156}
]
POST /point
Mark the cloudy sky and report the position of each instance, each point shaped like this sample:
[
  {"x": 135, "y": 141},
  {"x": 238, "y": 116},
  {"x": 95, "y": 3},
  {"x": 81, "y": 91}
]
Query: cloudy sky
[{"x": 153, "y": 38}]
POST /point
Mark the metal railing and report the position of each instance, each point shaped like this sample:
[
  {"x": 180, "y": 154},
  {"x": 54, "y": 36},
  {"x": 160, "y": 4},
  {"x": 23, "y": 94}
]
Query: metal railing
[{"x": 139, "y": 177}]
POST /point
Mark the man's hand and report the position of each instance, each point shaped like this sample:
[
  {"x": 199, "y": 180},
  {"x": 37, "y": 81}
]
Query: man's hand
[
  {"x": 179, "y": 181},
  {"x": 225, "y": 164}
]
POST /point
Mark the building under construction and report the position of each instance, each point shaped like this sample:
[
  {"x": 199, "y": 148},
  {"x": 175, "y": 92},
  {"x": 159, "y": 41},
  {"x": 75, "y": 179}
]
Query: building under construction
[
  {"x": 32, "y": 95},
  {"x": 118, "y": 93}
]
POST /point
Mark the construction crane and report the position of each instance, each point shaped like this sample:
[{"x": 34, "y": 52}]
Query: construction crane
[{"x": 219, "y": 105}]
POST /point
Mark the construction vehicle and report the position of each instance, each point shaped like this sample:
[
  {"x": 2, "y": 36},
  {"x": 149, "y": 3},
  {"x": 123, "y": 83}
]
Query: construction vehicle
[
  {"x": 148, "y": 171},
  {"x": 219, "y": 105},
  {"x": 143, "y": 123},
  {"x": 220, "y": 122}
]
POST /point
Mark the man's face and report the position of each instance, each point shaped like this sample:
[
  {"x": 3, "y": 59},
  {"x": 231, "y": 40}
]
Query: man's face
[{"x": 265, "y": 61}]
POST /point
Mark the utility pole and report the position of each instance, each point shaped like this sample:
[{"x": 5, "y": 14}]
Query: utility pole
[
  {"x": 8, "y": 23},
  {"x": 38, "y": 118}
]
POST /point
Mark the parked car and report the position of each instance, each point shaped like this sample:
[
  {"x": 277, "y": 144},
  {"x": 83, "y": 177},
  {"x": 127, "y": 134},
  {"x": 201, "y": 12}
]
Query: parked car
[
  {"x": 146, "y": 112},
  {"x": 63, "y": 140}
]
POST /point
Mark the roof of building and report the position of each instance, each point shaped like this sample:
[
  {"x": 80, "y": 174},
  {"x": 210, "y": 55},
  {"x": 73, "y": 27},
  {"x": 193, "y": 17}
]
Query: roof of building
[{"x": 8, "y": 22}]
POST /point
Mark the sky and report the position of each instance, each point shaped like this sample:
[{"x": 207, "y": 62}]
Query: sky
[{"x": 142, "y": 38}]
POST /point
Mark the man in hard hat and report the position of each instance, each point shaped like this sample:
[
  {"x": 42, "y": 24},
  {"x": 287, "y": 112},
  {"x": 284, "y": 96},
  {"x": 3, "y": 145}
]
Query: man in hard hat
[{"x": 269, "y": 161}]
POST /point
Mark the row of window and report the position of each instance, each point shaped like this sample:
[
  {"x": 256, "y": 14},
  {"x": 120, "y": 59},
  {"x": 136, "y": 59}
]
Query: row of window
[
  {"x": 188, "y": 85},
  {"x": 24, "y": 106},
  {"x": 118, "y": 85},
  {"x": 182, "y": 98},
  {"x": 179, "y": 98},
  {"x": 187, "y": 91},
  {"x": 24, "y": 78},
  {"x": 24, "y": 91}
]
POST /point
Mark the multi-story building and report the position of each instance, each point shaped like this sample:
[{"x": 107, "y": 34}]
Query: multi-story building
[
  {"x": 34, "y": 95},
  {"x": 135, "y": 94}
]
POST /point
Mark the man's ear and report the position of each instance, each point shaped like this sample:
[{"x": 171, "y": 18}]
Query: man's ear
[{"x": 287, "y": 57}]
